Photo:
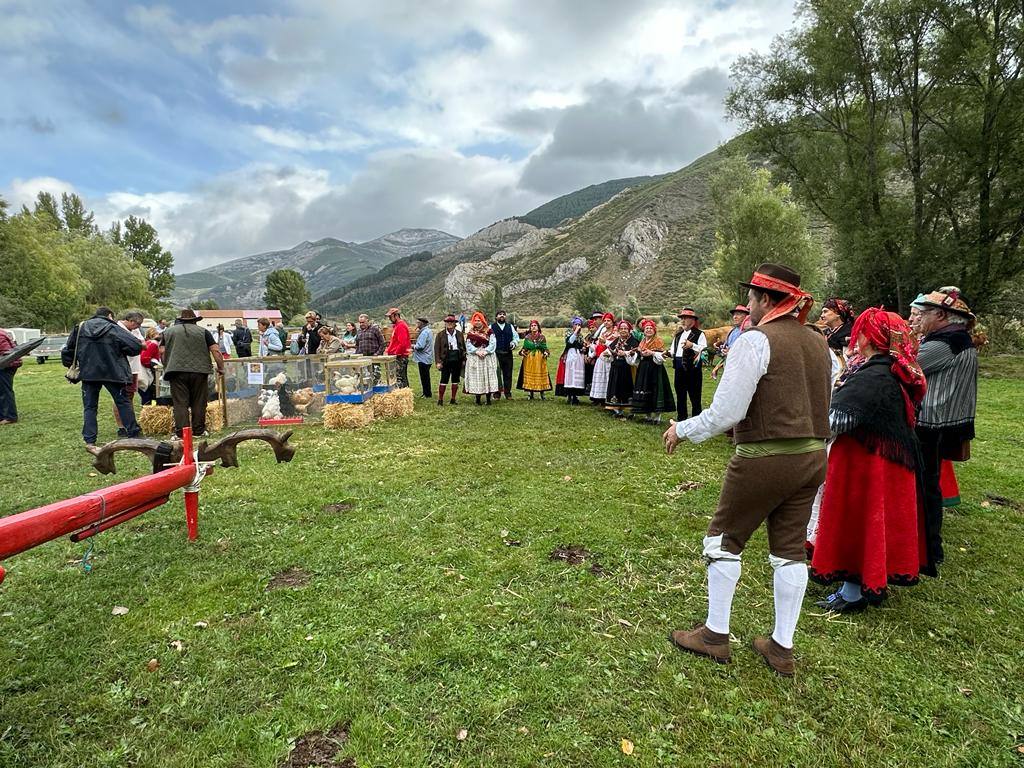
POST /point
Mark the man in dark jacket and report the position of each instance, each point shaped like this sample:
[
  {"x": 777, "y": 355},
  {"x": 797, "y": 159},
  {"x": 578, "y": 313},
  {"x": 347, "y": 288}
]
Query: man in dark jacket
[
  {"x": 103, "y": 348},
  {"x": 241, "y": 337}
]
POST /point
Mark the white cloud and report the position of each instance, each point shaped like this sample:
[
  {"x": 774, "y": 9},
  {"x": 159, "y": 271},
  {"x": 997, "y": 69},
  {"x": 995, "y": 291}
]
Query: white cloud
[{"x": 24, "y": 191}]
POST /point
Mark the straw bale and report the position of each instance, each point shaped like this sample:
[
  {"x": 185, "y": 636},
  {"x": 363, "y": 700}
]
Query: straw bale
[
  {"x": 156, "y": 420},
  {"x": 214, "y": 416},
  {"x": 348, "y": 415},
  {"x": 393, "y": 404}
]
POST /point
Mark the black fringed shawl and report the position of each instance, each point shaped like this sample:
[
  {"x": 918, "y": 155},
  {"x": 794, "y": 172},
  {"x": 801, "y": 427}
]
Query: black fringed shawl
[{"x": 870, "y": 408}]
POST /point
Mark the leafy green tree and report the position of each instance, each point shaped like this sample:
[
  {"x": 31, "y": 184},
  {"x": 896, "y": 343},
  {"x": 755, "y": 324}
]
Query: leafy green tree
[
  {"x": 112, "y": 279},
  {"x": 286, "y": 290},
  {"x": 590, "y": 298},
  {"x": 77, "y": 219},
  {"x": 899, "y": 123},
  {"x": 46, "y": 206},
  {"x": 757, "y": 221},
  {"x": 491, "y": 301},
  {"x": 139, "y": 240},
  {"x": 205, "y": 304},
  {"x": 632, "y": 309},
  {"x": 37, "y": 273}
]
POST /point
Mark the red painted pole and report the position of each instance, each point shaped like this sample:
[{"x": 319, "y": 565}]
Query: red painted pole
[
  {"x": 192, "y": 490},
  {"x": 25, "y": 530},
  {"x": 116, "y": 520}
]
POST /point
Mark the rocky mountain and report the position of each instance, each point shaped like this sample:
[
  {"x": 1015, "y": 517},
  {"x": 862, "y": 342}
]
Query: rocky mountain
[
  {"x": 326, "y": 264},
  {"x": 650, "y": 242}
]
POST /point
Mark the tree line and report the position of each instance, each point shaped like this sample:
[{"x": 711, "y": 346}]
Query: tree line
[{"x": 56, "y": 266}]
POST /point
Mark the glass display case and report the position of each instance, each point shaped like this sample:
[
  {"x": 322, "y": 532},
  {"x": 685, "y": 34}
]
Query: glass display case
[
  {"x": 385, "y": 371},
  {"x": 273, "y": 390},
  {"x": 349, "y": 379}
]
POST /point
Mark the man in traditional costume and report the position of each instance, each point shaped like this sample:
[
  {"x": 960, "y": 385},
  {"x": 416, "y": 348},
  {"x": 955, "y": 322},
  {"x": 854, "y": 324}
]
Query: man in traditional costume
[
  {"x": 449, "y": 356},
  {"x": 687, "y": 346},
  {"x": 775, "y": 396},
  {"x": 945, "y": 426},
  {"x": 506, "y": 339},
  {"x": 868, "y": 530}
]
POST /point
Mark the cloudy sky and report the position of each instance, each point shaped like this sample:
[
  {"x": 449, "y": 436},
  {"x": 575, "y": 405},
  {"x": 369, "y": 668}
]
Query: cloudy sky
[{"x": 242, "y": 127}]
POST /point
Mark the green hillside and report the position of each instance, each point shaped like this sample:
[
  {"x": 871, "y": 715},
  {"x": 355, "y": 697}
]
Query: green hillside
[{"x": 575, "y": 204}]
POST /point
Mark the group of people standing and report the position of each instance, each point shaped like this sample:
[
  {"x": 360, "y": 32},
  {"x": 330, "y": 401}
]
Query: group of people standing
[{"x": 840, "y": 433}]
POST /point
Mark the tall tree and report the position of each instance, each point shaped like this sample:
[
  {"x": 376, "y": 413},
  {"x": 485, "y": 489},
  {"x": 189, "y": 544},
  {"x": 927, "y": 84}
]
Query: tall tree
[
  {"x": 139, "y": 240},
  {"x": 899, "y": 122},
  {"x": 286, "y": 290},
  {"x": 46, "y": 206},
  {"x": 590, "y": 298},
  {"x": 112, "y": 279},
  {"x": 757, "y": 221},
  {"x": 77, "y": 219}
]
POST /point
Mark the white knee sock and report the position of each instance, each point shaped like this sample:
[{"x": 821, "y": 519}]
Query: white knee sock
[
  {"x": 790, "y": 585},
  {"x": 722, "y": 578}
]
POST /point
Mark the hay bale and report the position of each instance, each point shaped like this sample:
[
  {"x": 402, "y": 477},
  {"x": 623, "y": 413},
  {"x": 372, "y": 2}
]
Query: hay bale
[
  {"x": 243, "y": 411},
  {"x": 393, "y": 404},
  {"x": 214, "y": 416},
  {"x": 348, "y": 415},
  {"x": 156, "y": 420}
]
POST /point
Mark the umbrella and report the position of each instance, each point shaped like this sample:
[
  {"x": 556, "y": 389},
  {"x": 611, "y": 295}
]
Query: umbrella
[{"x": 20, "y": 351}]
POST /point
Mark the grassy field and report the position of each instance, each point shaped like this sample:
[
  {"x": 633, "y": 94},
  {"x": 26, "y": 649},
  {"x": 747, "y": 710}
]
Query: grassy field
[{"x": 426, "y": 607}]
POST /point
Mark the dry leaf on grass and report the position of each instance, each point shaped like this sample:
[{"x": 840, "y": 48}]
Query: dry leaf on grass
[
  {"x": 462, "y": 734},
  {"x": 153, "y": 665},
  {"x": 201, "y": 624},
  {"x": 119, "y": 610},
  {"x": 178, "y": 646},
  {"x": 626, "y": 746}
]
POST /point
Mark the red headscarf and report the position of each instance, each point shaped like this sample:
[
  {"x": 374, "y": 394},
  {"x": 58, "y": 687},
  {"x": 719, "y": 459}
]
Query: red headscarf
[{"x": 888, "y": 332}]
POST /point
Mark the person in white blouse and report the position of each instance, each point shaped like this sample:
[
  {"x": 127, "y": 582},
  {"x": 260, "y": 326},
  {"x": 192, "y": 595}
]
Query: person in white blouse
[
  {"x": 774, "y": 395},
  {"x": 687, "y": 347}
]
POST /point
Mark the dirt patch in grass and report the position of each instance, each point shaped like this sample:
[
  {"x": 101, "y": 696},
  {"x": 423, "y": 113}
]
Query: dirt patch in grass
[
  {"x": 289, "y": 578},
  {"x": 319, "y": 749},
  {"x": 341, "y": 506},
  {"x": 577, "y": 554}
]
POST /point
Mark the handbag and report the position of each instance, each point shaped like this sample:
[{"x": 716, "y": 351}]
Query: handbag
[{"x": 74, "y": 374}]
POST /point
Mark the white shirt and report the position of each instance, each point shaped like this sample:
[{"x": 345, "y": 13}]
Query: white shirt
[
  {"x": 678, "y": 347},
  {"x": 748, "y": 362},
  {"x": 453, "y": 340},
  {"x": 135, "y": 361}
]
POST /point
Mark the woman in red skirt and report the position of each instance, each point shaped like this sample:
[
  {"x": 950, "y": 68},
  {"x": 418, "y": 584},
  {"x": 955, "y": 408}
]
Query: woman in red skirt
[{"x": 869, "y": 528}]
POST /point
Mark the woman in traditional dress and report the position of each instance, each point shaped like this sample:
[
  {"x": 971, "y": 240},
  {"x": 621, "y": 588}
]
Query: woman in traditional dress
[
  {"x": 652, "y": 393},
  {"x": 533, "y": 373},
  {"x": 620, "y": 372},
  {"x": 481, "y": 362},
  {"x": 602, "y": 363},
  {"x": 837, "y": 321},
  {"x": 570, "y": 380},
  {"x": 869, "y": 531}
]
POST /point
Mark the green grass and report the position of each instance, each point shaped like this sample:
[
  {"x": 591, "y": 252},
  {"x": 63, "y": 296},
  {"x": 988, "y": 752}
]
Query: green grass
[{"x": 418, "y": 620}]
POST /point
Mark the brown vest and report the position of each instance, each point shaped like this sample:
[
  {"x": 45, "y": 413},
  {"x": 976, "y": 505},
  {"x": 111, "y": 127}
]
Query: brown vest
[{"x": 792, "y": 398}]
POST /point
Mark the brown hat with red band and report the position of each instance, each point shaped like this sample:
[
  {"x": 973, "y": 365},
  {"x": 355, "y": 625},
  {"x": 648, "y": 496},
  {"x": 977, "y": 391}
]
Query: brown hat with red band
[{"x": 782, "y": 281}]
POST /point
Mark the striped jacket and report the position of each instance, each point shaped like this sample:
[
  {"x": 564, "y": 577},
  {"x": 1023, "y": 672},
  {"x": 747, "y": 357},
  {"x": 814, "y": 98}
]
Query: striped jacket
[{"x": 950, "y": 364}]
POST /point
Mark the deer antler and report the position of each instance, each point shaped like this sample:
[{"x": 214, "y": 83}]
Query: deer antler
[
  {"x": 225, "y": 449},
  {"x": 103, "y": 456}
]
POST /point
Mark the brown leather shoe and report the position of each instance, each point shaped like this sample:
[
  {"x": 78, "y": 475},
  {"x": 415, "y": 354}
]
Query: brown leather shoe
[
  {"x": 703, "y": 642},
  {"x": 775, "y": 656}
]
